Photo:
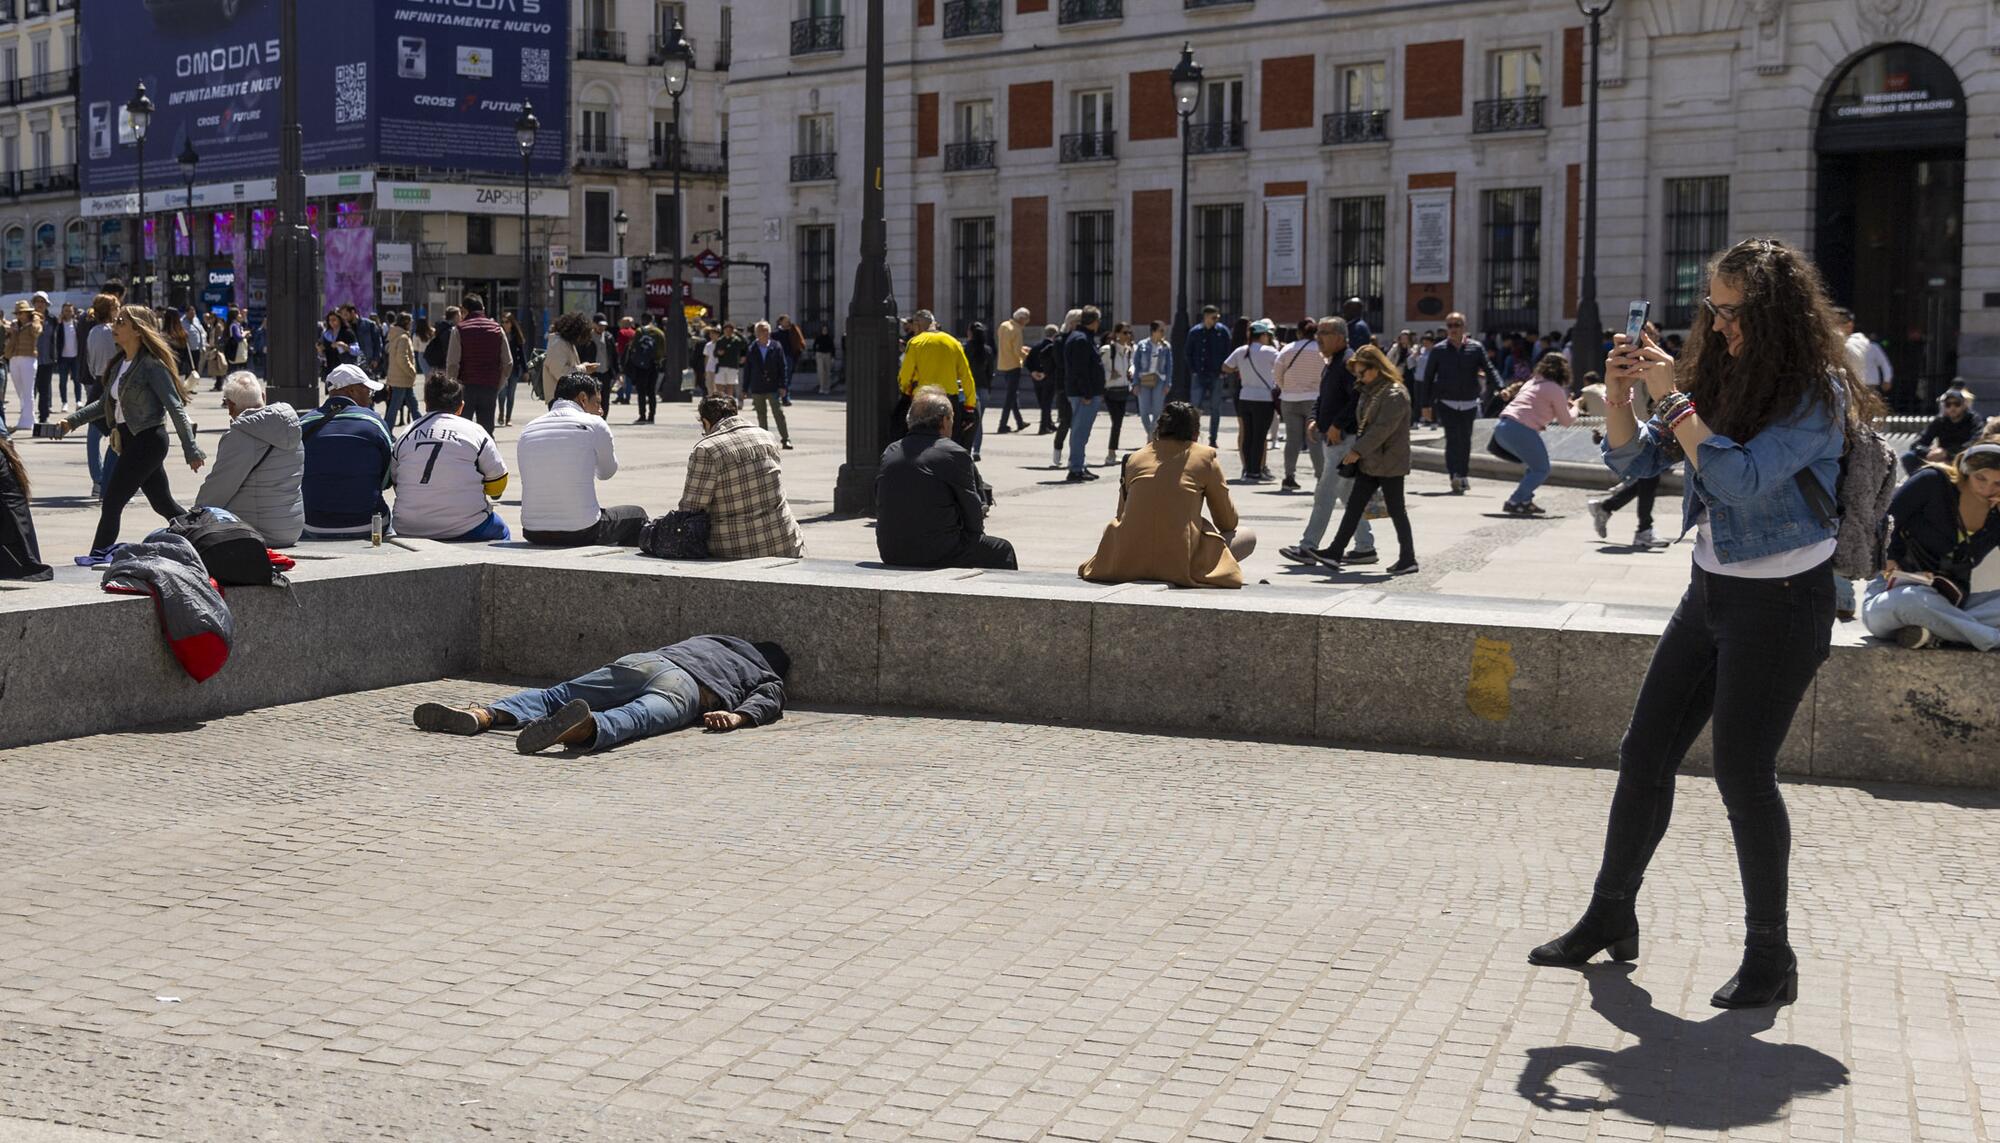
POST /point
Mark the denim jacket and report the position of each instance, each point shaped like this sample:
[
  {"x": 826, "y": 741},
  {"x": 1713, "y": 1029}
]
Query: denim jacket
[
  {"x": 1754, "y": 503},
  {"x": 1150, "y": 358}
]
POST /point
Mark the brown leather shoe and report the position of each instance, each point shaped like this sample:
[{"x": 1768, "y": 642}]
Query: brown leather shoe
[{"x": 463, "y": 720}]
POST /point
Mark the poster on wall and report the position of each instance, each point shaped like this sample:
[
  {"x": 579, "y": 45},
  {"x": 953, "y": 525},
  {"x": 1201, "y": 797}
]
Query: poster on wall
[
  {"x": 1430, "y": 236},
  {"x": 1284, "y": 241},
  {"x": 350, "y": 267}
]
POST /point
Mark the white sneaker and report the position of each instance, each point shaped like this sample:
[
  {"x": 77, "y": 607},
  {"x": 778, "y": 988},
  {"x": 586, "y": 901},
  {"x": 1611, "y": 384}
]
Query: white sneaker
[
  {"x": 1643, "y": 538},
  {"x": 1915, "y": 638},
  {"x": 1600, "y": 517}
]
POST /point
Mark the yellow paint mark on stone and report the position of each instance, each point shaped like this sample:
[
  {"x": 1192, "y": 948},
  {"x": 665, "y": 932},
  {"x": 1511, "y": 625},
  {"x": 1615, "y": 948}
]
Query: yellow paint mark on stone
[{"x": 1487, "y": 694}]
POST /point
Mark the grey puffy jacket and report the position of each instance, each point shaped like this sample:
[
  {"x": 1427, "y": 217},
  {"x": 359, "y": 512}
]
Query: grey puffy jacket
[{"x": 259, "y": 469}]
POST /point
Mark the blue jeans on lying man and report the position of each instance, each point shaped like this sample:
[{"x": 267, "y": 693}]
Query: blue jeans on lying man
[{"x": 636, "y": 697}]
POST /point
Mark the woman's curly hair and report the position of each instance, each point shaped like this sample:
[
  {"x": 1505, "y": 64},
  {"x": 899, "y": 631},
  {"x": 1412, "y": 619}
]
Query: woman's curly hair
[
  {"x": 1792, "y": 349},
  {"x": 574, "y": 328}
]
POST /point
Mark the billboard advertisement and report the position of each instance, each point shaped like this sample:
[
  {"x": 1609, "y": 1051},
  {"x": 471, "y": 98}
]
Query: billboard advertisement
[{"x": 435, "y": 83}]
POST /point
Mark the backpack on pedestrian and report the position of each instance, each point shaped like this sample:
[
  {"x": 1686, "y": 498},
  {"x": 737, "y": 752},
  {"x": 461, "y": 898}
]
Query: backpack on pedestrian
[
  {"x": 643, "y": 354},
  {"x": 1861, "y": 509},
  {"x": 438, "y": 352}
]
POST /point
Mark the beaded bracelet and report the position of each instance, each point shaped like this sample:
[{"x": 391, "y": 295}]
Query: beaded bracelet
[{"x": 1685, "y": 411}]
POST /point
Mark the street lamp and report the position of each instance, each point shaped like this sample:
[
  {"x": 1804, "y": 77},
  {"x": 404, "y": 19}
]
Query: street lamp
[
  {"x": 188, "y": 161},
  {"x": 622, "y": 224},
  {"x": 1587, "y": 341},
  {"x": 1187, "y": 96},
  {"x": 140, "y": 109},
  {"x": 524, "y": 135},
  {"x": 871, "y": 312},
  {"x": 677, "y": 59}
]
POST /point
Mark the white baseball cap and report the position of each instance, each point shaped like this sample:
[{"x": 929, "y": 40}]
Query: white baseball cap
[
  {"x": 344, "y": 375},
  {"x": 41, "y": 297}
]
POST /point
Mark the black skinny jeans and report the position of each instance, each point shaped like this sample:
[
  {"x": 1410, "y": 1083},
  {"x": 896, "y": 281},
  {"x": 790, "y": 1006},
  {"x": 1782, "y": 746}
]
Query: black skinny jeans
[
  {"x": 1457, "y": 438},
  {"x": 1645, "y": 489},
  {"x": 1046, "y": 396},
  {"x": 1365, "y": 487},
  {"x": 141, "y": 466},
  {"x": 1115, "y": 401},
  {"x": 1257, "y": 418},
  {"x": 647, "y": 386},
  {"x": 1743, "y": 652}
]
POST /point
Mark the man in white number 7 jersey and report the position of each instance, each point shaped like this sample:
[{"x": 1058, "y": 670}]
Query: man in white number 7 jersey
[{"x": 446, "y": 468}]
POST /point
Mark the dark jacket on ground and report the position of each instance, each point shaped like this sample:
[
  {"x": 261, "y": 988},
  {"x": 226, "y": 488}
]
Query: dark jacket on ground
[
  {"x": 1083, "y": 369},
  {"x": 735, "y": 672},
  {"x": 766, "y": 369},
  {"x": 1925, "y": 533},
  {"x": 927, "y": 506},
  {"x": 1339, "y": 399},
  {"x": 1208, "y": 347},
  {"x": 20, "y": 556},
  {"x": 1457, "y": 373}
]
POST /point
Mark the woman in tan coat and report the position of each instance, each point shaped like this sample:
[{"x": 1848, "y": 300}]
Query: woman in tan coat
[{"x": 1160, "y": 533}]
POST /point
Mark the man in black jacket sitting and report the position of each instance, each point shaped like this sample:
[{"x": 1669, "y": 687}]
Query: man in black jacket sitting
[
  {"x": 928, "y": 510},
  {"x": 718, "y": 680}
]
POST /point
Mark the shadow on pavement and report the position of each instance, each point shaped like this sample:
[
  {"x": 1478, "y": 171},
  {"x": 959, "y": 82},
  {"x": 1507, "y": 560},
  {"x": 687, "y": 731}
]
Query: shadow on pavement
[{"x": 1706, "y": 1075}]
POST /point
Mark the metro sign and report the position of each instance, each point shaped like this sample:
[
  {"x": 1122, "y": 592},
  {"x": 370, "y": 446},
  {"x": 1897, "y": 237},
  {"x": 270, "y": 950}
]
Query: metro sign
[{"x": 709, "y": 263}]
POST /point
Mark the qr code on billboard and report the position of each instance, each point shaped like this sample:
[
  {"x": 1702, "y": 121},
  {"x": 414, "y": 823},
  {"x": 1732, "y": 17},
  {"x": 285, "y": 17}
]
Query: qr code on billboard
[
  {"x": 534, "y": 65},
  {"x": 350, "y": 92}
]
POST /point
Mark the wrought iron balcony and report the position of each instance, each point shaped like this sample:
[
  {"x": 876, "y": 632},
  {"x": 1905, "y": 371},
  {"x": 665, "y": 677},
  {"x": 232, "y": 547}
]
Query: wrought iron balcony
[
  {"x": 969, "y": 156},
  {"x": 48, "y": 85},
  {"x": 722, "y": 54},
  {"x": 971, "y": 18},
  {"x": 819, "y": 34},
  {"x": 8, "y": 14},
  {"x": 1354, "y": 127},
  {"x": 1215, "y": 3},
  {"x": 1210, "y": 137},
  {"x": 1083, "y": 11},
  {"x": 1520, "y": 114},
  {"x": 812, "y": 168},
  {"x": 656, "y": 48},
  {"x": 38, "y": 180},
  {"x": 695, "y": 158},
  {"x": 600, "y": 153},
  {"x": 599, "y": 44},
  {"x": 1089, "y": 147}
]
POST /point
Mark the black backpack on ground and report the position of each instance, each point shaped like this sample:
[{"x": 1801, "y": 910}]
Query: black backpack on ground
[{"x": 234, "y": 552}]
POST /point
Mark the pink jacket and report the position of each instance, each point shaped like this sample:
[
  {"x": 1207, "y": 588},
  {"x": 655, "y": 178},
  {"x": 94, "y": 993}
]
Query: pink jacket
[{"x": 1539, "y": 402}]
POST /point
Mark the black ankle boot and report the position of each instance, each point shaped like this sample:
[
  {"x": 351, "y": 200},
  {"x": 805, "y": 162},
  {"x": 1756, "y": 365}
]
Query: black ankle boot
[
  {"x": 1609, "y": 924},
  {"x": 1769, "y": 974}
]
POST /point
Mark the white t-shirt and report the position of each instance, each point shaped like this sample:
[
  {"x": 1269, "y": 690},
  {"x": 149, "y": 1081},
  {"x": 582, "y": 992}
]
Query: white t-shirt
[
  {"x": 562, "y": 455},
  {"x": 441, "y": 466},
  {"x": 1257, "y": 367},
  {"x": 118, "y": 383},
  {"x": 1986, "y": 573},
  {"x": 1778, "y": 565}
]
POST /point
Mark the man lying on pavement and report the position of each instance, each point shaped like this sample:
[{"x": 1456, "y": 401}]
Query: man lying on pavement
[{"x": 718, "y": 680}]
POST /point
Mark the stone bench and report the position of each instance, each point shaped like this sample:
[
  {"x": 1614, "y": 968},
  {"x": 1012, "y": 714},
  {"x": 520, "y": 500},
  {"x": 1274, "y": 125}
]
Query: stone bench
[{"x": 1526, "y": 679}]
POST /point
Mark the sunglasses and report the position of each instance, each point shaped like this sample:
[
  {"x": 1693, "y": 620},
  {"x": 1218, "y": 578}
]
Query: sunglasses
[{"x": 1721, "y": 313}]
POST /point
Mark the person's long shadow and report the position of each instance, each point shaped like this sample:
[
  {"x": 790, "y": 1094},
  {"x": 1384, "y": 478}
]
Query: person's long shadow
[{"x": 1706, "y": 1075}]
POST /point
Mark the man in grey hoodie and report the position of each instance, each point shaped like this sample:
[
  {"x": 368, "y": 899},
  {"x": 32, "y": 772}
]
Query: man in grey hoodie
[{"x": 260, "y": 464}]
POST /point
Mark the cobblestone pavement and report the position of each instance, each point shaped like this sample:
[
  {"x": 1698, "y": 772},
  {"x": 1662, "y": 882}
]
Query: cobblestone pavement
[
  {"x": 1467, "y": 546},
  {"x": 313, "y": 923}
]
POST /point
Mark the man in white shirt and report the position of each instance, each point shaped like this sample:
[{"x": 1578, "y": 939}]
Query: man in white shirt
[
  {"x": 562, "y": 454},
  {"x": 1299, "y": 367},
  {"x": 444, "y": 470},
  {"x": 1865, "y": 358}
]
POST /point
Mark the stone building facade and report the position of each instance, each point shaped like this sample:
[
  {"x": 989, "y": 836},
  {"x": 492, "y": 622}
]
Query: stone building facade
[
  {"x": 1423, "y": 159},
  {"x": 44, "y": 245}
]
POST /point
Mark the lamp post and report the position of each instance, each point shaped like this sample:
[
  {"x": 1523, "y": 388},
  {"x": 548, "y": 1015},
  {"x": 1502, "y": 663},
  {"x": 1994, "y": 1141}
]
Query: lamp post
[
  {"x": 621, "y": 224},
  {"x": 677, "y": 59},
  {"x": 1587, "y": 342},
  {"x": 188, "y": 160},
  {"x": 293, "y": 263},
  {"x": 871, "y": 312},
  {"x": 1187, "y": 96},
  {"x": 140, "y": 109},
  {"x": 525, "y": 129}
]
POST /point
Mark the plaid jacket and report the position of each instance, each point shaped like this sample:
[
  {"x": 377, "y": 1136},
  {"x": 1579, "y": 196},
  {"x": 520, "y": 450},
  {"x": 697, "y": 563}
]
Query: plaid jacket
[{"x": 733, "y": 474}]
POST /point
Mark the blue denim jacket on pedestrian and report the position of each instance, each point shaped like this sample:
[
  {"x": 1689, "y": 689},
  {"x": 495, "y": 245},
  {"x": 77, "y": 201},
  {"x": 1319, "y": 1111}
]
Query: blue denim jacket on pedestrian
[
  {"x": 1151, "y": 358},
  {"x": 1749, "y": 490}
]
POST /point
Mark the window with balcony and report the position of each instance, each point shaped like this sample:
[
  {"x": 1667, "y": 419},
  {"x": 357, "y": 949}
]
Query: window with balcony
[
  {"x": 666, "y": 13},
  {"x": 1697, "y": 227},
  {"x": 1361, "y": 106},
  {"x": 599, "y": 38},
  {"x": 815, "y": 300},
  {"x": 813, "y": 161},
  {"x": 596, "y": 146},
  {"x": 971, "y": 18},
  {"x": 1083, "y": 11},
  {"x": 1090, "y": 261},
  {"x": 819, "y": 28},
  {"x": 1511, "y": 256},
  {"x": 725, "y": 38},
  {"x": 597, "y": 221},
  {"x": 972, "y": 271},
  {"x": 1093, "y": 134},
  {"x": 1514, "y": 92},
  {"x": 1218, "y": 122},
  {"x": 479, "y": 234},
  {"x": 1218, "y": 258},
  {"x": 971, "y": 148},
  {"x": 666, "y": 222},
  {"x": 1358, "y": 254}
]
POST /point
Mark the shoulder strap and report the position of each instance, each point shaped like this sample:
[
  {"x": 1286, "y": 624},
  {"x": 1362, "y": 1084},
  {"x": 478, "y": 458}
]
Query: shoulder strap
[{"x": 1816, "y": 497}]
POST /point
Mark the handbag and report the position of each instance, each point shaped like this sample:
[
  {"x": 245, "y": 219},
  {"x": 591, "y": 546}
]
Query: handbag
[
  {"x": 1349, "y": 470},
  {"x": 678, "y": 535}
]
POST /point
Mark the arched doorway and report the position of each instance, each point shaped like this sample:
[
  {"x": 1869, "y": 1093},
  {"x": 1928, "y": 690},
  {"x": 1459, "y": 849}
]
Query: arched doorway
[{"x": 1891, "y": 144}]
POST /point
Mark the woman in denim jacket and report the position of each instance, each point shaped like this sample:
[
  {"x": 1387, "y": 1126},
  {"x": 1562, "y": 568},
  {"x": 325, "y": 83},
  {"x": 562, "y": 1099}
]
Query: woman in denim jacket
[{"x": 1761, "y": 396}]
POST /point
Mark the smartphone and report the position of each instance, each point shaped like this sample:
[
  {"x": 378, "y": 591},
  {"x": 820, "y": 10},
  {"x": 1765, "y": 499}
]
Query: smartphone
[{"x": 1635, "y": 320}]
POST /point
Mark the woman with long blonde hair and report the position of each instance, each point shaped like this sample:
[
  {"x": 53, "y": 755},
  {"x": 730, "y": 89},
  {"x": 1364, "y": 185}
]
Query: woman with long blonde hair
[{"x": 142, "y": 391}]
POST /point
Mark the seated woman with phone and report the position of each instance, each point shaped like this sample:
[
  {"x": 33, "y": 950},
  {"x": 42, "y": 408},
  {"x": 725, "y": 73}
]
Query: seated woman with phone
[{"x": 1946, "y": 526}]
